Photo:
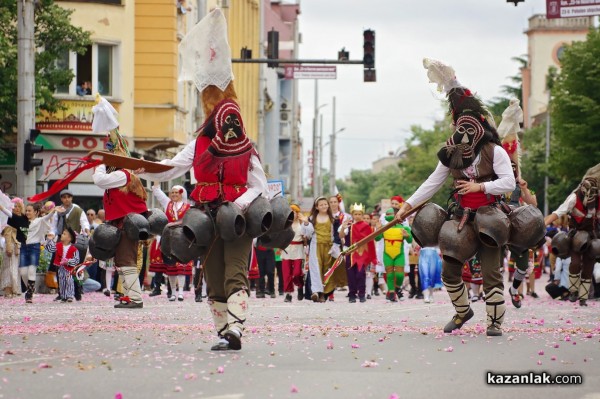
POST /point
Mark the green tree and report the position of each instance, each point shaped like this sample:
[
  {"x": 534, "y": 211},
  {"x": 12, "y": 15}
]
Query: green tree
[
  {"x": 575, "y": 115},
  {"x": 54, "y": 35}
]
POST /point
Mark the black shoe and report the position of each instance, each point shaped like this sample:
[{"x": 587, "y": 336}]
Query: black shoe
[
  {"x": 573, "y": 296},
  {"x": 235, "y": 340},
  {"x": 129, "y": 305},
  {"x": 300, "y": 293},
  {"x": 583, "y": 302},
  {"x": 368, "y": 296},
  {"x": 155, "y": 292},
  {"x": 260, "y": 294},
  {"x": 534, "y": 295},
  {"x": 493, "y": 331},
  {"x": 376, "y": 292},
  {"x": 281, "y": 293},
  {"x": 412, "y": 294},
  {"x": 419, "y": 296},
  {"x": 199, "y": 297},
  {"x": 288, "y": 298},
  {"x": 516, "y": 300},
  {"x": 362, "y": 299},
  {"x": 58, "y": 298},
  {"x": 186, "y": 288},
  {"x": 273, "y": 295},
  {"x": 352, "y": 300},
  {"x": 107, "y": 292},
  {"x": 457, "y": 322},
  {"x": 220, "y": 346},
  {"x": 117, "y": 296}
]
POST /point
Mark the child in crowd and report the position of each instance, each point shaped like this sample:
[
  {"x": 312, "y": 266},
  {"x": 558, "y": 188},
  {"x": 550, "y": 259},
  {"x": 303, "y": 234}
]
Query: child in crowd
[
  {"x": 66, "y": 258},
  {"x": 360, "y": 260}
]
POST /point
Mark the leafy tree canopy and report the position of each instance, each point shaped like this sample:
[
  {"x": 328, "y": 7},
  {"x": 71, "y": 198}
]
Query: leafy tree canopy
[{"x": 54, "y": 35}]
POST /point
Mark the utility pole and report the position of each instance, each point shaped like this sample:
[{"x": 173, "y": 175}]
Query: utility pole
[
  {"x": 25, "y": 94},
  {"x": 295, "y": 153},
  {"x": 315, "y": 175},
  {"x": 332, "y": 155},
  {"x": 320, "y": 155},
  {"x": 261, "y": 85}
]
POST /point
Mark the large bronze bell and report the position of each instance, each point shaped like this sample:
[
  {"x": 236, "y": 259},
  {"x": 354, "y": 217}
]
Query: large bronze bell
[
  {"x": 280, "y": 239},
  {"x": 136, "y": 227},
  {"x": 527, "y": 228},
  {"x": 231, "y": 224},
  {"x": 101, "y": 251},
  {"x": 198, "y": 227},
  {"x": 283, "y": 216},
  {"x": 458, "y": 246},
  {"x": 594, "y": 248},
  {"x": 492, "y": 226},
  {"x": 580, "y": 241},
  {"x": 182, "y": 249},
  {"x": 259, "y": 217},
  {"x": 561, "y": 244},
  {"x": 427, "y": 224},
  {"x": 157, "y": 221}
]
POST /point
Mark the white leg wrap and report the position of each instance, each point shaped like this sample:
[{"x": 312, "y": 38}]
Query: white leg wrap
[
  {"x": 495, "y": 307},
  {"x": 237, "y": 304}
]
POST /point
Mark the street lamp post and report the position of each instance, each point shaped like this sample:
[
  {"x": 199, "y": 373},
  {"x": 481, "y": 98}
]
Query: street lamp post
[
  {"x": 316, "y": 155},
  {"x": 332, "y": 155}
]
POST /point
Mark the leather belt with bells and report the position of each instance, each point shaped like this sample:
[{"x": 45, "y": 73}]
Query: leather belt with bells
[{"x": 464, "y": 219}]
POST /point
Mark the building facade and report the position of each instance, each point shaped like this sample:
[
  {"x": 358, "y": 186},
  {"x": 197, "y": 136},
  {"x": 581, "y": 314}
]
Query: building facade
[{"x": 547, "y": 39}]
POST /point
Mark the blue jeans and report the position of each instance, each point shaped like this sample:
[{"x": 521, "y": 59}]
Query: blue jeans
[
  {"x": 30, "y": 255},
  {"x": 90, "y": 285}
]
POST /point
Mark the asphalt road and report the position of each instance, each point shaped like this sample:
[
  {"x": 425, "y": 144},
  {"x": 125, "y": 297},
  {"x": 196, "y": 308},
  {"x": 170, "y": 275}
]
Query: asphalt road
[{"x": 298, "y": 350}]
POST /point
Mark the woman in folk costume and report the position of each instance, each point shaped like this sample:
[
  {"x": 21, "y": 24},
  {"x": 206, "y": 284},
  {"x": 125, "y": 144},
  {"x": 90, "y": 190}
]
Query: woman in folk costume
[
  {"x": 318, "y": 228},
  {"x": 175, "y": 206},
  {"x": 124, "y": 194},
  {"x": 360, "y": 260},
  {"x": 292, "y": 259},
  {"x": 508, "y": 130},
  {"x": 339, "y": 278},
  {"x": 583, "y": 208},
  {"x": 227, "y": 169},
  {"x": 481, "y": 171}
]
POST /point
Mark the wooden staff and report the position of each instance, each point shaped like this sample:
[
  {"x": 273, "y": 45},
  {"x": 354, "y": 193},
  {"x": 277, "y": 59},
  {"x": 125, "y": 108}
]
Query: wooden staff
[{"x": 368, "y": 238}]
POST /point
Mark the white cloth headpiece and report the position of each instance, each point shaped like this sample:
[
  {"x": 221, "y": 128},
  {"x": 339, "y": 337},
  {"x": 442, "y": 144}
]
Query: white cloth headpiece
[
  {"x": 441, "y": 74},
  {"x": 511, "y": 119},
  {"x": 205, "y": 53},
  {"x": 184, "y": 198},
  {"x": 105, "y": 117}
]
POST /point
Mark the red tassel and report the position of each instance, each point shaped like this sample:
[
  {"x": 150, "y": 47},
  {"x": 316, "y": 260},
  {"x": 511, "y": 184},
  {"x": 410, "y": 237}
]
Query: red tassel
[{"x": 59, "y": 185}]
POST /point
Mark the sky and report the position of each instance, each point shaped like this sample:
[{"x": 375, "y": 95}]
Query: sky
[{"x": 477, "y": 38}]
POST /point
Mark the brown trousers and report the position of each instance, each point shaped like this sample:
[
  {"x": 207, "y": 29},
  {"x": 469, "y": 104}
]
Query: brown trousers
[
  {"x": 226, "y": 268},
  {"x": 490, "y": 269}
]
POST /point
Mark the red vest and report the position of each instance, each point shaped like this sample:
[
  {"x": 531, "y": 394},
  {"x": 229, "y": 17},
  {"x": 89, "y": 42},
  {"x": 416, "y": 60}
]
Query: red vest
[
  {"x": 118, "y": 204},
  {"x": 219, "y": 178},
  {"x": 579, "y": 212},
  {"x": 173, "y": 216},
  {"x": 59, "y": 254}
]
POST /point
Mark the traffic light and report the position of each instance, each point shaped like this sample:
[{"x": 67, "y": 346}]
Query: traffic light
[
  {"x": 369, "y": 49},
  {"x": 246, "y": 53},
  {"x": 343, "y": 55},
  {"x": 29, "y": 162},
  {"x": 515, "y": 1},
  {"x": 272, "y": 47}
]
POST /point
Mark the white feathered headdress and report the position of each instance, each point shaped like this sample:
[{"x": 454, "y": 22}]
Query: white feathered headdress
[
  {"x": 205, "y": 53},
  {"x": 509, "y": 129}
]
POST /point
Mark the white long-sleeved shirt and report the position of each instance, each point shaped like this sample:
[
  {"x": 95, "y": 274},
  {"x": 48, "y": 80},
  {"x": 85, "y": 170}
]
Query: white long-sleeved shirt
[
  {"x": 183, "y": 161},
  {"x": 38, "y": 228},
  {"x": 502, "y": 168},
  {"x": 105, "y": 181},
  {"x": 566, "y": 206},
  {"x": 83, "y": 221}
]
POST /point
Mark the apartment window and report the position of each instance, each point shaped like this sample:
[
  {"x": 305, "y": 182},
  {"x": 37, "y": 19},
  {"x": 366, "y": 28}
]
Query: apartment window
[{"x": 94, "y": 70}]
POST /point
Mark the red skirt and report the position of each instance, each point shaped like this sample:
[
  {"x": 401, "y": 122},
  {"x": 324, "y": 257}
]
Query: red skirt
[
  {"x": 157, "y": 264},
  {"x": 179, "y": 269}
]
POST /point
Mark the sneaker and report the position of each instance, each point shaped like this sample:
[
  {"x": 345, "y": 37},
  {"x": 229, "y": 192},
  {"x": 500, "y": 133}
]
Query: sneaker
[
  {"x": 155, "y": 292},
  {"x": 221, "y": 345},
  {"x": 300, "y": 293},
  {"x": 419, "y": 296},
  {"x": 391, "y": 297},
  {"x": 288, "y": 298},
  {"x": 352, "y": 300},
  {"x": 362, "y": 299},
  {"x": 368, "y": 296},
  {"x": 172, "y": 298},
  {"x": 69, "y": 300},
  {"x": 58, "y": 298},
  {"x": 474, "y": 298},
  {"x": 457, "y": 322},
  {"x": 198, "y": 297},
  {"x": 314, "y": 297},
  {"x": 331, "y": 298},
  {"x": 427, "y": 300},
  {"x": 180, "y": 297},
  {"x": 376, "y": 292},
  {"x": 260, "y": 294},
  {"x": 534, "y": 295},
  {"x": 129, "y": 305},
  {"x": 494, "y": 331},
  {"x": 273, "y": 295},
  {"x": 516, "y": 300},
  {"x": 107, "y": 292},
  {"x": 583, "y": 302}
]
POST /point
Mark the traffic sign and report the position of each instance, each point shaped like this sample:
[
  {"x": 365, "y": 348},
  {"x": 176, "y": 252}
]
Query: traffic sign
[
  {"x": 310, "y": 72},
  {"x": 572, "y": 8}
]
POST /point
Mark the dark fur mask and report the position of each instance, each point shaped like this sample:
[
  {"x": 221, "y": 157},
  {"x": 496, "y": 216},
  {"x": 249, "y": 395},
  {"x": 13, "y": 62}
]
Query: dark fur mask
[{"x": 466, "y": 142}]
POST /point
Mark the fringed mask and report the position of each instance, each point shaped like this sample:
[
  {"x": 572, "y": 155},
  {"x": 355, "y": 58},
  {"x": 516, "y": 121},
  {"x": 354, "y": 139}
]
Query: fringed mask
[
  {"x": 464, "y": 145},
  {"x": 588, "y": 190},
  {"x": 230, "y": 138}
]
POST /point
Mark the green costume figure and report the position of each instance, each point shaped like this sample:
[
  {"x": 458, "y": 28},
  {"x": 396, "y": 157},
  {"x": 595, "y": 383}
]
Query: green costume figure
[{"x": 393, "y": 255}]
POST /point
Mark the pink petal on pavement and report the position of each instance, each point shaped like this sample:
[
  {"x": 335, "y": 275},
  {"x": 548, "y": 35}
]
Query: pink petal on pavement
[{"x": 294, "y": 389}]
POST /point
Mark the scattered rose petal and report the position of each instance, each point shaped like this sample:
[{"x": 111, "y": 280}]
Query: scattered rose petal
[
  {"x": 462, "y": 341},
  {"x": 355, "y": 346},
  {"x": 553, "y": 358},
  {"x": 44, "y": 366},
  {"x": 394, "y": 396},
  {"x": 178, "y": 389},
  {"x": 189, "y": 376},
  {"x": 220, "y": 370},
  {"x": 556, "y": 345},
  {"x": 567, "y": 338},
  {"x": 449, "y": 349},
  {"x": 294, "y": 389},
  {"x": 118, "y": 395},
  {"x": 330, "y": 345},
  {"x": 539, "y": 362},
  {"x": 541, "y": 352},
  {"x": 26, "y": 318},
  {"x": 368, "y": 363}
]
